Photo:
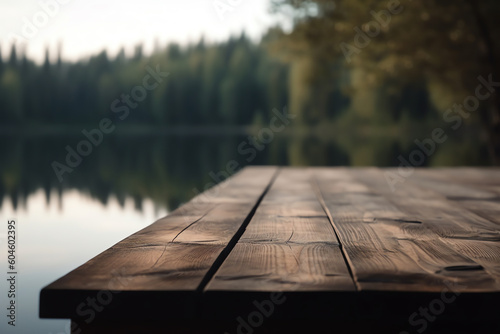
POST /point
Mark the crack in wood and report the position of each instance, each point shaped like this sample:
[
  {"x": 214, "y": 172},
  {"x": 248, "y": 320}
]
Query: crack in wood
[{"x": 185, "y": 228}]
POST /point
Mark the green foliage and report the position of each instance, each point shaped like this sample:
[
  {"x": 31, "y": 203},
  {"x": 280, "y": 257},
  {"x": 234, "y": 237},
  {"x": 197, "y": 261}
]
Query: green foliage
[
  {"x": 226, "y": 83},
  {"x": 399, "y": 48},
  {"x": 234, "y": 83}
]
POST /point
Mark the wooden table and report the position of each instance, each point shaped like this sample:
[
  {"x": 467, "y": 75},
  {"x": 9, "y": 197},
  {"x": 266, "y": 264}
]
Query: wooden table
[{"x": 298, "y": 249}]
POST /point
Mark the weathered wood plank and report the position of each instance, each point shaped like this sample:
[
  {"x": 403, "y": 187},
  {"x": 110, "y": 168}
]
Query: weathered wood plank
[
  {"x": 164, "y": 256},
  {"x": 459, "y": 184},
  {"x": 241, "y": 187},
  {"x": 288, "y": 246},
  {"x": 173, "y": 254},
  {"x": 470, "y": 176},
  {"x": 447, "y": 222},
  {"x": 480, "y": 209},
  {"x": 335, "y": 239},
  {"x": 477, "y": 192},
  {"x": 446, "y": 218},
  {"x": 393, "y": 240}
]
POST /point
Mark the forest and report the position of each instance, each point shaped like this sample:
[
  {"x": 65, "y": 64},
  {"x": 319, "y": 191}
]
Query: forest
[
  {"x": 231, "y": 83},
  {"x": 234, "y": 83},
  {"x": 356, "y": 62}
]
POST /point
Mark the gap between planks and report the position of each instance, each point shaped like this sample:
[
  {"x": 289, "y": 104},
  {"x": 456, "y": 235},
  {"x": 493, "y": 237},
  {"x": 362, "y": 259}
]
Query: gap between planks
[
  {"x": 236, "y": 237},
  {"x": 319, "y": 195}
]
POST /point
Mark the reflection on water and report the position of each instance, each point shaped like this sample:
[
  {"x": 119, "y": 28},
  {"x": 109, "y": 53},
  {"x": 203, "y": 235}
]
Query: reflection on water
[
  {"x": 129, "y": 181},
  {"x": 55, "y": 237},
  {"x": 168, "y": 169}
]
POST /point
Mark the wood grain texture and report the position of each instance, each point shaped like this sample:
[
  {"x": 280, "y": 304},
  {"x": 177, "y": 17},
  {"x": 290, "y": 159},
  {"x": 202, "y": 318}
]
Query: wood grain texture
[
  {"x": 446, "y": 221},
  {"x": 168, "y": 255},
  {"x": 474, "y": 199},
  {"x": 337, "y": 241},
  {"x": 241, "y": 187},
  {"x": 394, "y": 240},
  {"x": 477, "y": 191},
  {"x": 288, "y": 246},
  {"x": 173, "y": 254}
]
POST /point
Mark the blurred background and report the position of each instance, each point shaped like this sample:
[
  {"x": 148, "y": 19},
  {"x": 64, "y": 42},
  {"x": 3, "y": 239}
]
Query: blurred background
[{"x": 363, "y": 80}]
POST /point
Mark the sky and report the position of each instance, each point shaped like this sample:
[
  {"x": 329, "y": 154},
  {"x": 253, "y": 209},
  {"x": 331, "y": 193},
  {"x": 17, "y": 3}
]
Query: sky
[{"x": 86, "y": 27}]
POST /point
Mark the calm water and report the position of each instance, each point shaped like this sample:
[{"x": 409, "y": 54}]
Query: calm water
[{"x": 128, "y": 182}]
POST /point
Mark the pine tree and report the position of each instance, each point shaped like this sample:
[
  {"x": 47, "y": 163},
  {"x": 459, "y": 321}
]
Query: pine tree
[
  {"x": 13, "y": 57},
  {"x": 1, "y": 63}
]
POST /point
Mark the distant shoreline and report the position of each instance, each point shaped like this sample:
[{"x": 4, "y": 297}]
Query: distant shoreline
[
  {"x": 56, "y": 130},
  {"x": 322, "y": 130}
]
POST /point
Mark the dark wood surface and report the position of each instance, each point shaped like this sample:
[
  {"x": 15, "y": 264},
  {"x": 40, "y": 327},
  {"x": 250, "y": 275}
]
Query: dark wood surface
[
  {"x": 331, "y": 243},
  {"x": 289, "y": 244}
]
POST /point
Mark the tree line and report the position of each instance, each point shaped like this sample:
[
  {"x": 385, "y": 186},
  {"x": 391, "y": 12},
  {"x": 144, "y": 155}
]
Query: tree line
[
  {"x": 230, "y": 83},
  {"x": 233, "y": 83}
]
